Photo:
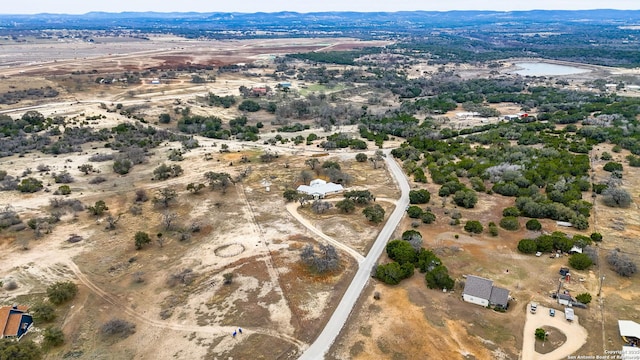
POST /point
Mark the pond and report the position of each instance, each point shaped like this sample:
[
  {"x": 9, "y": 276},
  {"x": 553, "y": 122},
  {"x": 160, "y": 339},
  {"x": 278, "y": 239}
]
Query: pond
[{"x": 547, "y": 69}]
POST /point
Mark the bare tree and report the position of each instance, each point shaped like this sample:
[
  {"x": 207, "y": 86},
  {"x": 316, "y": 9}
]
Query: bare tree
[
  {"x": 616, "y": 197},
  {"x": 621, "y": 263},
  {"x": 168, "y": 219},
  {"x": 112, "y": 221},
  {"x": 319, "y": 206}
]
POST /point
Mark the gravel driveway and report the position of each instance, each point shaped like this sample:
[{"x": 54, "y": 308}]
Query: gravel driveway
[{"x": 576, "y": 334}]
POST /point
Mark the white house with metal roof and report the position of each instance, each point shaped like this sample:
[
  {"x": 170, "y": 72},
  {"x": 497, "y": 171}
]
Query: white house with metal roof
[
  {"x": 480, "y": 291},
  {"x": 319, "y": 188}
]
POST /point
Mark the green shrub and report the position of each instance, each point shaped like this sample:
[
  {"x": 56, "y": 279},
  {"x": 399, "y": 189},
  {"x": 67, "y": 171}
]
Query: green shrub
[
  {"x": 61, "y": 292},
  {"x": 510, "y": 223},
  {"x": 580, "y": 261},
  {"x": 511, "y": 211},
  {"x": 584, "y": 298},
  {"x": 421, "y": 196},
  {"x": 439, "y": 278},
  {"x": 53, "y": 337},
  {"x": 63, "y": 190},
  {"x": 612, "y": 166},
  {"x": 466, "y": 198},
  {"x": 533, "y": 225},
  {"x": 30, "y": 185},
  {"x": 392, "y": 273},
  {"x": 428, "y": 217},
  {"x": 414, "y": 212},
  {"x": 473, "y": 226},
  {"x": 43, "y": 312},
  {"x": 527, "y": 246},
  {"x": 141, "y": 239}
]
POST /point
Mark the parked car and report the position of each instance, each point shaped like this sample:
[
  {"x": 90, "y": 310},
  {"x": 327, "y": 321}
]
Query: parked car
[
  {"x": 538, "y": 254},
  {"x": 552, "y": 312},
  {"x": 534, "y": 308}
]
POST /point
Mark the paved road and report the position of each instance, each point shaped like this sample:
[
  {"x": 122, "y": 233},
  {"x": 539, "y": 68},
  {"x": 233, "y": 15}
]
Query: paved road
[
  {"x": 318, "y": 349},
  {"x": 576, "y": 334}
]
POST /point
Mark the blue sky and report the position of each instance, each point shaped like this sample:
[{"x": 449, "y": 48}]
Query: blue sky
[{"x": 84, "y": 6}]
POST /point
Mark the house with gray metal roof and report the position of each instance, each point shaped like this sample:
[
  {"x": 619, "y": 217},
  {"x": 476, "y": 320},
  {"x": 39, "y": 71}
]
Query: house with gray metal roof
[{"x": 481, "y": 291}]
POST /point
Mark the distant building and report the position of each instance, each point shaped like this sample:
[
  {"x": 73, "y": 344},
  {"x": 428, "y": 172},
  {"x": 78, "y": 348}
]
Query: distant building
[
  {"x": 480, "y": 291},
  {"x": 464, "y": 115},
  {"x": 259, "y": 90},
  {"x": 14, "y": 321},
  {"x": 285, "y": 85},
  {"x": 319, "y": 188},
  {"x": 511, "y": 117}
]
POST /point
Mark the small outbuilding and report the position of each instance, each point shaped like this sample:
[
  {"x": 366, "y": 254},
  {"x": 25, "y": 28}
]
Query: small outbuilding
[
  {"x": 565, "y": 299},
  {"x": 14, "y": 321},
  {"x": 481, "y": 291},
  {"x": 319, "y": 188}
]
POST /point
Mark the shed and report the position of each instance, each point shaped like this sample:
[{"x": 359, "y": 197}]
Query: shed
[{"x": 565, "y": 299}]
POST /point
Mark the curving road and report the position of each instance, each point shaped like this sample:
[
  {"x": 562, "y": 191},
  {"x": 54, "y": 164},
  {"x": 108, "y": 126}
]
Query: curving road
[{"x": 321, "y": 345}]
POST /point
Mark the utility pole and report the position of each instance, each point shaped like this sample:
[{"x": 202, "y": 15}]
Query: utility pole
[{"x": 600, "y": 288}]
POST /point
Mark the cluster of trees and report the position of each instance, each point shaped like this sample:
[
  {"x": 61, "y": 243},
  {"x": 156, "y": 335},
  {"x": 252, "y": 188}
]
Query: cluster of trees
[
  {"x": 408, "y": 254},
  {"x": 164, "y": 171},
  {"x": 323, "y": 261},
  {"x": 416, "y": 212},
  {"x": 555, "y": 241}
]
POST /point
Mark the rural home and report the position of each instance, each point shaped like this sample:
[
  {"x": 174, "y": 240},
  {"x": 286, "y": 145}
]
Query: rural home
[
  {"x": 481, "y": 291},
  {"x": 14, "y": 321},
  {"x": 319, "y": 188}
]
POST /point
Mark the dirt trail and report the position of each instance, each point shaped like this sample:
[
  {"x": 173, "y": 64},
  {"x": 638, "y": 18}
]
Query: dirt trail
[{"x": 165, "y": 325}]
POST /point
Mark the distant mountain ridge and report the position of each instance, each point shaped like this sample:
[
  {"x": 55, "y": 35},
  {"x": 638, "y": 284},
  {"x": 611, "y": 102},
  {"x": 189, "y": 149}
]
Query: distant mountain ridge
[{"x": 362, "y": 24}]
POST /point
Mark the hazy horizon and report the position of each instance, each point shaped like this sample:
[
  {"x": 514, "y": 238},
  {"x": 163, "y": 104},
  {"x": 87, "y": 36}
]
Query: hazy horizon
[{"x": 75, "y": 7}]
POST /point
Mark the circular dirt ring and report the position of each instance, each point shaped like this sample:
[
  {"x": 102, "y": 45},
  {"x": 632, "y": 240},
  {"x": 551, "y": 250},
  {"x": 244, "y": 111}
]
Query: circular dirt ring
[{"x": 229, "y": 250}]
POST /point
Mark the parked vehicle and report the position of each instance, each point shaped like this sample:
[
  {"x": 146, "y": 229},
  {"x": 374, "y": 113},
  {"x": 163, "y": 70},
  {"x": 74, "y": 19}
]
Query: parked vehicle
[
  {"x": 534, "y": 307},
  {"x": 552, "y": 312}
]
